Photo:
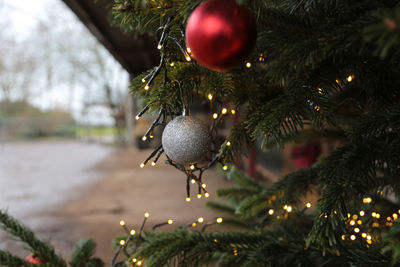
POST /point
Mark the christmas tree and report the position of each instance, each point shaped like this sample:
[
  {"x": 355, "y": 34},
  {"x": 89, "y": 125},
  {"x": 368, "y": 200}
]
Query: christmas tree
[{"x": 326, "y": 70}]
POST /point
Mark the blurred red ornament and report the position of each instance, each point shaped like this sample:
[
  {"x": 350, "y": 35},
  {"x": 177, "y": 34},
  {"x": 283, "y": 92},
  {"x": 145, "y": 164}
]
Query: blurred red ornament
[
  {"x": 305, "y": 156},
  {"x": 34, "y": 260},
  {"x": 221, "y": 34}
]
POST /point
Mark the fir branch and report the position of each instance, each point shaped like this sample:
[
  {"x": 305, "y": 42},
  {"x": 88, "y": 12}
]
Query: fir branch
[
  {"x": 392, "y": 240},
  {"x": 82, "y": 253},
  {"x": 220, "y": 207},
  {"x": 44, "y": 250},
  {"x": 349, "y": 173},
  {"x": 254, "y": 197},
  {"x": 7, "y": 259},
  {"x": 383, "y": 33}
]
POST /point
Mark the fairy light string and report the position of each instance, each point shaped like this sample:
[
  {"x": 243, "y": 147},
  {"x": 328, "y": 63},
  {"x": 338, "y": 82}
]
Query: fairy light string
[
  {"x": 129, "y": 244},
  {"x": 359, "y": 226}
]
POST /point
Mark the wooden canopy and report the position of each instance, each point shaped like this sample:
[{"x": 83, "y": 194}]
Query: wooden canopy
[{"x": 135, "y": 54}]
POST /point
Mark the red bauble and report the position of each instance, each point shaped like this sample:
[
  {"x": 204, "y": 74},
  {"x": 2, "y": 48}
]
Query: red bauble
[
  {"x": 31, "y": 259},
  {"x": 305, "y": 156},
  {"x": 221, "y": 34}
]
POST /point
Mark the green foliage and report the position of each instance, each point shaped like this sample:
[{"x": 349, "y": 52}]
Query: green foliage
[
  {"x": 253, "y": 198},
  {"x": 191, "y": 248},
  {"x": 82, "y": 254},
  {"x": 7, "y": 259},
  {"x": 21, "y": 119},
  {"x": 192, "y": 80},
  {"x": 383, "y": 32},
  {"x": 393, "y": 243},
  {"x": 147, "y": 16},
  {"x": 329, "y": 71},
  {"x": 45, "y": 250}
]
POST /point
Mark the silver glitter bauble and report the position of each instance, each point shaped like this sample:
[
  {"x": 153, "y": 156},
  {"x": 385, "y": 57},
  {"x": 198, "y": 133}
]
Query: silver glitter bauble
[{"x": 186, "y": 140}]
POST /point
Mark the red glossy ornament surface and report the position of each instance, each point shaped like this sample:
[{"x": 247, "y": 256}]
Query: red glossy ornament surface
[
  {"x": 221, "y": 34},
  {"x": 33, "y": 260}
]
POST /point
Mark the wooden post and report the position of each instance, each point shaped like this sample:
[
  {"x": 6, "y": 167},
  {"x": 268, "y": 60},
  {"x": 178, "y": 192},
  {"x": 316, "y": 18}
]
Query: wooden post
[
  {"x": 130, "y": 112},
  {"x": 251, "y": 171}
]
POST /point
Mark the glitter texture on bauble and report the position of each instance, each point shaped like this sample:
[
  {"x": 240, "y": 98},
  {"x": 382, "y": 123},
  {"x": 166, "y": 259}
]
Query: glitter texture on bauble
[{"x": 186, "y": 140}]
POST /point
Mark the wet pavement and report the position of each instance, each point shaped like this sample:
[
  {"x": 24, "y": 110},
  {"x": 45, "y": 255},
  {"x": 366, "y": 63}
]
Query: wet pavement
[
  {"x": 68, "y": 191},
  {"x": 38, "y": 175}
]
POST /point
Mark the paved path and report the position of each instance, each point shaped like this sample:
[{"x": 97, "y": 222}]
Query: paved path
[
  {"x": 36, "y": 176},
  {"x": 126, "y": 192}
]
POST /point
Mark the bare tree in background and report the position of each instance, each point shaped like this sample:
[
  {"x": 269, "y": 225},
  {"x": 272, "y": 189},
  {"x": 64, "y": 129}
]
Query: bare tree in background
[
  {"x": 80, "y": 58},
  {"x": 60, "y": 54},
  {"x": 17, "y": 63}
]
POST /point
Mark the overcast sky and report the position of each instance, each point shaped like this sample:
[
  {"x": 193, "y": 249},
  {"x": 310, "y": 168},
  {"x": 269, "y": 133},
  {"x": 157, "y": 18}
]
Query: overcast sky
[
  {"x": 24, "y": 16},
  {"x": 25, "y": 13}
]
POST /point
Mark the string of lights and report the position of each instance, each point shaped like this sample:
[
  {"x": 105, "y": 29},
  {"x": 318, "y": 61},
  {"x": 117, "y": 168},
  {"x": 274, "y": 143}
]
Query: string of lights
[{"x": 129, "y": 244}]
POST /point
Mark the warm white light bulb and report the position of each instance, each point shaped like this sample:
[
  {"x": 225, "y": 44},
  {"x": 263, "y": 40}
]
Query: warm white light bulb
[
  {"x": 200, "y": 220},
  {"x": 146, "y": 215},
  {"x": 219, "y": 220}
]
